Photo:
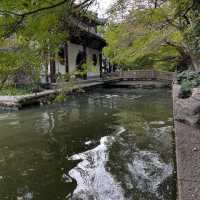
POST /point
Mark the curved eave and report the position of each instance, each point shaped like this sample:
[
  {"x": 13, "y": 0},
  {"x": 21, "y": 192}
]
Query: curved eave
[{"x": 90, "y": 39}]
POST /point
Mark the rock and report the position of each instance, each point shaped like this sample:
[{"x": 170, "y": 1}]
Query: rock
[
  {"x": 188, "y": 110},
  {"x": 196, "y": 94},
  {"x": 194, "y": 149}
]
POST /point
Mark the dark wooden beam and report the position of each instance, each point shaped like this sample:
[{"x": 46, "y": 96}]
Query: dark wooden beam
[
  {"x": 100, "y": 63},
  {"x": 66, "y": 52},
  {"x": 52, "y": 69}
]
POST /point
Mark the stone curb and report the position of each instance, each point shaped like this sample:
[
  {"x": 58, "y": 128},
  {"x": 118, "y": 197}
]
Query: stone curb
[{"x": 187, "y": 138}]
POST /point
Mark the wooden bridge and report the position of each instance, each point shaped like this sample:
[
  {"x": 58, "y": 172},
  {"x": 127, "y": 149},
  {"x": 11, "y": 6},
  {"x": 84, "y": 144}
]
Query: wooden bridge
[{"x": 139, "y": 78}]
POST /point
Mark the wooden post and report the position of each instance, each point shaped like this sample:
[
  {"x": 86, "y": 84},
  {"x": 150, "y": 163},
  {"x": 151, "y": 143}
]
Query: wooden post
[
  {"x": 66, "y": 58},
  {"x": 100, "y": 63},
  {"x": 52, "y": 68},
  {"x": 85, "y": 61}
]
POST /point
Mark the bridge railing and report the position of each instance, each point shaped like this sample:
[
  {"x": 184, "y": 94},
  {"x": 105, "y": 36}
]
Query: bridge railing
[
  {"x": 139, "y": 75},
  {"x": 166, "y": 76}
]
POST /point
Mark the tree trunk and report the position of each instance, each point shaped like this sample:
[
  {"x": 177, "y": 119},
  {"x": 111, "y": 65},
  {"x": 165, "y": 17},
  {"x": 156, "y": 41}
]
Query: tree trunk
[
  {"x": 3, "y": 81},
  {"x": 156, "y": 4},
  {"x": 195, "y": 62},
  {"x": 187, "y": 57}
]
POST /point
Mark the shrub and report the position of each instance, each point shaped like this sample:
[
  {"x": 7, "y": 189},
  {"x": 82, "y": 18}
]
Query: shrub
[
  {"x": 186, "y": 89},
  {"x": 19, "y": 90},
  {"x": 188, "y": 80},
  {"x": 60, "y": 98}
]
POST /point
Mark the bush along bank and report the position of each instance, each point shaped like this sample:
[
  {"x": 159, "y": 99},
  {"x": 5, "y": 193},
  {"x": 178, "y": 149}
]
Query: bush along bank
[
  {"x": 187, "y": 104},
  {"x": 188, "y": 80}
]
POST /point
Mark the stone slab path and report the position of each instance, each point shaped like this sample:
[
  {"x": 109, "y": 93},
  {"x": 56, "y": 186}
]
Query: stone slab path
[
  {"x": 188, "y": 161},
  {"x": 187, "y": 140}
]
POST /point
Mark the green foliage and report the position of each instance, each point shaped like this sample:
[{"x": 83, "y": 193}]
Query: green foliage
[
  {"x": 139, "y": 41},
  {"x": 143, "y": 62},
  {"x": 187, "y": 13},
  {"x": 188, "y": 80},
  {"x": 17, "y": 90},
  {"x": 13, "y": 62},
  {"x": 60, "y": 98},
  {"x": 186, "y": 89},
  {"x": 65, "y": 85},
  {"x": 84, "y": 69},
  {"x": 168, "y": 34},
  {"x": 27, "y": 41},
  {"x": 192, "y": 76},
  {"x": 31, "y": 29}
]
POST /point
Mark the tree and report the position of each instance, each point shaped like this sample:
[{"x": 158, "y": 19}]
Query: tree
[
  {"x": 34, "y": 28},
  {"x": 15, "y": 61},
  {"x": 187, "y": 12},
  {"x": 155, "y": 33},
  {"x": 14, "y": 14}
]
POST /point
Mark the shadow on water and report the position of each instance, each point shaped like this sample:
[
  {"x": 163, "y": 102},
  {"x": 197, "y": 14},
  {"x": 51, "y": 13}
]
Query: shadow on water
[{"x": 108, "y": 144}]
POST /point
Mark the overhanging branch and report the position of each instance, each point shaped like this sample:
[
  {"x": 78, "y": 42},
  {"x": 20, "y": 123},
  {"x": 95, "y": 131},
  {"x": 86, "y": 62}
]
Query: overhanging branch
[
  {"x": 81, "y": 5},
  {"x": 20, "y": 17}
]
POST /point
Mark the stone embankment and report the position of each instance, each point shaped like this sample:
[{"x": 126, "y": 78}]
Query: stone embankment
[
  {"x": 18, "y": 102},
  {"x": 187, "y": 136},
  {"x": 134, "y": 79}
]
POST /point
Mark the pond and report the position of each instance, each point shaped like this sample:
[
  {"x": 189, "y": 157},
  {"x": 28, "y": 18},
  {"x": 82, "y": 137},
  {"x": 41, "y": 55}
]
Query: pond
[{"x": 106, "y": 144}]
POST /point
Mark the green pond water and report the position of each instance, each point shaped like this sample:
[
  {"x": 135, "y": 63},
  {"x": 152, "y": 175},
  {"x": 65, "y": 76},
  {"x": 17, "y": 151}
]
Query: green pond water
[{"x": 107, "y": 144}]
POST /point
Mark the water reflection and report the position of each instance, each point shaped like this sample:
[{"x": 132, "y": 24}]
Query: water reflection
[
  {"x": 124, "y": 137},
  {"x": 93, "y": 179},
  {"x": 148, "y": 171}
]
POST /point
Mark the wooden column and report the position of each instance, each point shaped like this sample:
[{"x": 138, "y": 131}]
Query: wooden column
[
  {"x": 85, "y": 60},
  {"x": 66, "y": 54},
  {"x": 45, "y": 59},
  {"x": 100, "y": 62},
  {"x": 85, "y": 52},
  {"x": 52, "y": 69}
]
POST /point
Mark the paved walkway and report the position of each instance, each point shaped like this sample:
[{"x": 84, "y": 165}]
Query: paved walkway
[
  {"x": 188, "y": 161},
  {"x": 188, "y": 158}
]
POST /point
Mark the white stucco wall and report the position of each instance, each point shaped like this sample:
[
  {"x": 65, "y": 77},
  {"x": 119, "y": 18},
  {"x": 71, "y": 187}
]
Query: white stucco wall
[
  {"x": 60, "y": 68},
  {"x": 43, "y": 74},
  {"x": 73, "y": 50},
  {"x": 96, "y": 70}
]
